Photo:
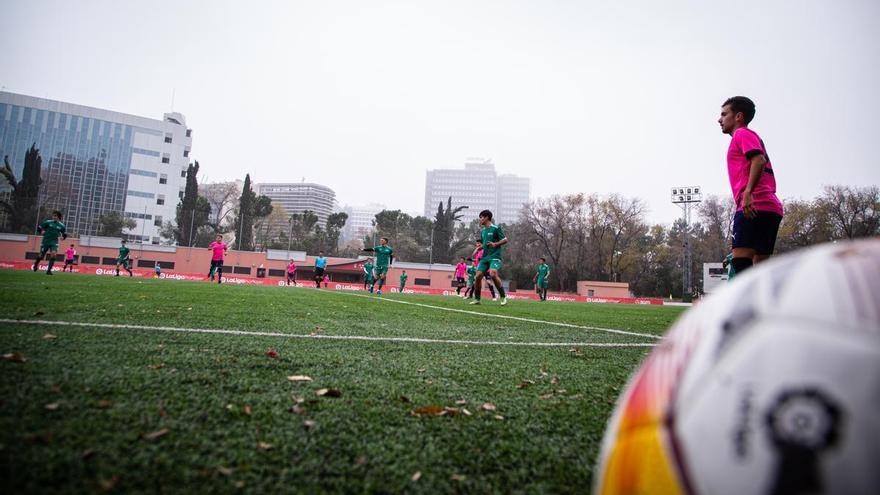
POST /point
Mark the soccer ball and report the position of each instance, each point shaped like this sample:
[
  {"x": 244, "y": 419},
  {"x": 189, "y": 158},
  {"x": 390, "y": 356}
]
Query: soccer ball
[{"x": 771, "y": 385}]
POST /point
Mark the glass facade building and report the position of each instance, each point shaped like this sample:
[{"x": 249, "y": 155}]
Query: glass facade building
[
  {"x": 96, "y": 161},
  {"x": 478, "y": 187}
]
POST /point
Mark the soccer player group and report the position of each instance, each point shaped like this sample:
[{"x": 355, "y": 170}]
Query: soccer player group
[{"x": 755, "y": 225}]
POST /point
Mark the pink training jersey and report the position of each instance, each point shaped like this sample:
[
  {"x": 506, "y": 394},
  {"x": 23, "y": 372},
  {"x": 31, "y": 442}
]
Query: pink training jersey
[
  {"x": 219, "y": 248},
  {"x": 70, "y": 253},
  {"x": 477, "y": 255},
  {"x": 460, "y": 270},
  {"x": 744, "y": 145},
  {"x": 291, "y": 268}
]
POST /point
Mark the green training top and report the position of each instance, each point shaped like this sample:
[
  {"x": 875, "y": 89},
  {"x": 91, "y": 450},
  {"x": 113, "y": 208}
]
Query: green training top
[
  {"x": 492, "y": 233},
  {"x": 472, "y": 272},
  {"x": 51, "y": 230},
  {"x": 368, "y": 269},
  {"x": 543, "y": 270},
  {"x": 123, "y": 252},
  {"x": 383, "y": 255},
  {"x": 403, "y": 278}
]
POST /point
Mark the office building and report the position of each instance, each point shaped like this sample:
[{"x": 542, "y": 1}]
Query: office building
[
  {"x": 478, "y": 187},
  {"x": 297, "y": 197},
  {"x": 97, "y": 161},
  {"x": 359, "y": 223}
]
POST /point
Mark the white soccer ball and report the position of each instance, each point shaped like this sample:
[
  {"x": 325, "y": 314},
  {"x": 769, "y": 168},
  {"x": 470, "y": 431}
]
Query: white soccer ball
[{"x": 769, "y": 386}]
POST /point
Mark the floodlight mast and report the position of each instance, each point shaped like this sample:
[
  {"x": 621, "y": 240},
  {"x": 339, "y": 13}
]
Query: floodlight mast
[{"x": 684, "y": 197}]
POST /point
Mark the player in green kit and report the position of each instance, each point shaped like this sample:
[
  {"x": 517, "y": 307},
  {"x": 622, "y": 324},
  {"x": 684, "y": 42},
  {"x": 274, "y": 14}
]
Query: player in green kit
[
  {"x": 493, "y": 239},
  {"x": 124, "y": 259},
  {"x": 368, "y": 274},
  {"x": 471, "y": 273},
  {"x": 542, "y": 279},
  {"x": 403, "y": 277},
  {"x": 50, "y": 229},
  {"x": 384, "y": 258}
]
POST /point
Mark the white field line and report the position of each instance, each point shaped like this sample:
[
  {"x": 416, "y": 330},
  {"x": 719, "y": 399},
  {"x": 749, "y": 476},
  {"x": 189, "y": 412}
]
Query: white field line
[
  {"x": 320, "y": 337},
  {"x": 508, "y": 317}
]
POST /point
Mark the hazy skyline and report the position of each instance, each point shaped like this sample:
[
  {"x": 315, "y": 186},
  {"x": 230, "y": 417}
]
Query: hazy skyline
[{"x": 364, "y": 97}]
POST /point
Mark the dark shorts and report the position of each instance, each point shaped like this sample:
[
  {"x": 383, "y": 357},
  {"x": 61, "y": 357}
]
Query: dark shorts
[
  {"x": 758, "y": 233},
  {"x": 216, "y": 263},
  {"x": 459, "y": 281},
  {"x": 319, "y": 272}
]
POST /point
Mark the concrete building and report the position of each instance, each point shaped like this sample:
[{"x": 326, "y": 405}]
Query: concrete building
[
  {"x": 297, "y": 197},
  {"x": 97, "y": 161},
  {"x": 360, "y": 221},
  {"x": 478, "y": 187}
]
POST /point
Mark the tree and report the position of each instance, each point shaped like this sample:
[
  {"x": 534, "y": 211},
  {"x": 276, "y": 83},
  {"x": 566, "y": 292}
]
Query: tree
[
  {"x": 112, "y": 224},
  {"x": 192, "y": 212},
  {"x": 269, "y": 229},
  {"x": 222, "y": 198},
  {"x": 335, "y": 223},
  {"x": 445, "y": 244},
  {"x": 250, "y": 208},
  {"x": 22, "y": 208},
  {"x": 805, "y": 223},
  {"x": 854, "y": 212}
]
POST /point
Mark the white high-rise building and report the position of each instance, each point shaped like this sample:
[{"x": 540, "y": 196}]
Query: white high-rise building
[
  {"x": 360, "y": 220},
  {"x": 297, "y": 197},
  {"x": 478, "y": 187},
  {"x": 97, "y": 161}
]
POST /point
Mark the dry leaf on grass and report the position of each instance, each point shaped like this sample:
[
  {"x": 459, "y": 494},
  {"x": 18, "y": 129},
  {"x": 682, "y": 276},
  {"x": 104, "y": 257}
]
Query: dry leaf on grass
[
  {"x": 156, "y": 366},
  {"x": 109, "y": 484},
  {"x": 225, "y": 471},
  {"x": 264, "y": 446},
  {"x": 404, "y": 398},
  {"x": 488, "y": 406},
  {"x": 14, "y": 357},
  {"x": 103, "y": 403},
  {"x": 360, "y": 461},
  {"x": 554, "y": 380},
  {"x": 461, "y": 402},
  {"x": 499, "y": 417},
  {"x": 299, "y": 378},
  {"x": 547, "y": 396},
  {"x": 328, "y": 392},
  {"x": 465, "y": 412},
  {"x": 49, "y": 336},
  {"x": 309, "y": 424},
  {"x": 431, "y": 410},
  {"x": 52, "y": 407},
  {"x": 525, "y": 383},
  {"x": 56, "y": 389},
  {"x": 247, "y": 409},
  {"x": 416, "y": 475},
  {"x": 458, "y": 477},
  {"x": 88, "y": 454},
  {"x": 153, "y": 435},
  {"x": 420, "y": 370},
  {"x": 297, "y": 409}
]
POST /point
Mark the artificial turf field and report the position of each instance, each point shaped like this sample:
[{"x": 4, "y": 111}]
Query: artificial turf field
[{"x": 163, "y": 409}]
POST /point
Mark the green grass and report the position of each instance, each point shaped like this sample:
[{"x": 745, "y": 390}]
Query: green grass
[{"x": 198, "y": 386}]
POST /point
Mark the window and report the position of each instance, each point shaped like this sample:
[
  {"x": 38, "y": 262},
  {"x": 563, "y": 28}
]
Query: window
[
  {"x": 189, "y": 132},
  {"x": 423, "y": 281},
  {"x": 166, "y": 159},
  {"x": 146, "y": 263},
  {"x": 241, "y": 270},
  {"x": 276, "y": 273},
  {"x": 158, "y": 221},
  {"x": 186, "y": 152},
  {"x": 160, "y": 200},
  {"x": 163, "y": 179},
  {"x": 180, "y": 194},
  {"x": 183, "y": 174},
  {"x": 168, "y": 136},
  {"x": 92, "y": 260},
  {"x": 108, "y": 261}
]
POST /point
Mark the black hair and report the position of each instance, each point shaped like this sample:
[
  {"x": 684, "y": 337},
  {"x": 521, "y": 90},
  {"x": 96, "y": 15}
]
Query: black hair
[
  {"x": 386, "y": 239},
  {"x": 486, "y": 213},
  {"x": 56, "y": 212},
  {"x": 741, "y": 104},
  {"x": 543, "y": 259}
]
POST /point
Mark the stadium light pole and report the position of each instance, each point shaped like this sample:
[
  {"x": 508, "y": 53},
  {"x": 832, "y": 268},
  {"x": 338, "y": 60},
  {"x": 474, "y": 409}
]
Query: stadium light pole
[
  {"x": 684, "y": 197},
  {"x": 289, "y": 233}
]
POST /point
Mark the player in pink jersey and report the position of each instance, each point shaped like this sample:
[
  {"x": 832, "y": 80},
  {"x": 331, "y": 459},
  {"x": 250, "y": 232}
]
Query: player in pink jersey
[
  {"x": 291, "y": 272},
  {"x": 753, "y": 183},
  {"x": 218, "y": 249},
  {"x": 460, "y": 274},
  {"x": 69, "y": 256}
]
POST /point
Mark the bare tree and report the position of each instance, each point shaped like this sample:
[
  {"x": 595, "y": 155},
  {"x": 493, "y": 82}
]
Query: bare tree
[
  {"x": 854, "y": 212},
  {"x": 223, "y": 197}
]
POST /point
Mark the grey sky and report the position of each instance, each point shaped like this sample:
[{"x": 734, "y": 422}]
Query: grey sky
[{"x": 581, "y": 96}]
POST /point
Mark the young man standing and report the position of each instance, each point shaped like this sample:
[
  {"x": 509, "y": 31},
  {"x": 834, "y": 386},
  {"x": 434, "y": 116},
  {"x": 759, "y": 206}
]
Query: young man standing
[
  {"x": 753, "y": 183},
  {"x": 158, "y": 270},
  {"x": 541, "y": 279},
  {"x": 403, "y": 277},
  {"x": 291, "y": 272},
  {"x": 460, "y": 272},
  {"x": 471, "y": 272},
  {"x": 368, "y": 275},
  {"x": 477, "y": 255},
  {"x": 320, "y": 265},
  {"x": 493, "y": 239},
  {"x": 218, "y": 252},
  {"x": 124, "y": 259},
  {"x": 384, "y": 258},
  {"x": 50, "y": 229},
  {"x": 69, "y": 256}
]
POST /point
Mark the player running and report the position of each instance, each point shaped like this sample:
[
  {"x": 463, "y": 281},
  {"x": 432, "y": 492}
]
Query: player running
[
  {"x": 50, "y": 229},
  {"x": 320, "y": 265},
  {"x": 403, "y": 277},
  {"x": 384, "y": 258},
  {"x": 124, "y": 259},
  {"x": 291, "y": 272},
  {"x": 218, "y": 253},
  {"x": 542, "y": 278},
  {"x": 477, "y": 255},
  {"x": 368, "y": 274},
  {"x": 69, "y": 256},
  {"x": 493, "y": 240},
  {"x": 753, "y": 183},
  {"x": 460, "y": 273},
  {"x": 471, "y": 272}
]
